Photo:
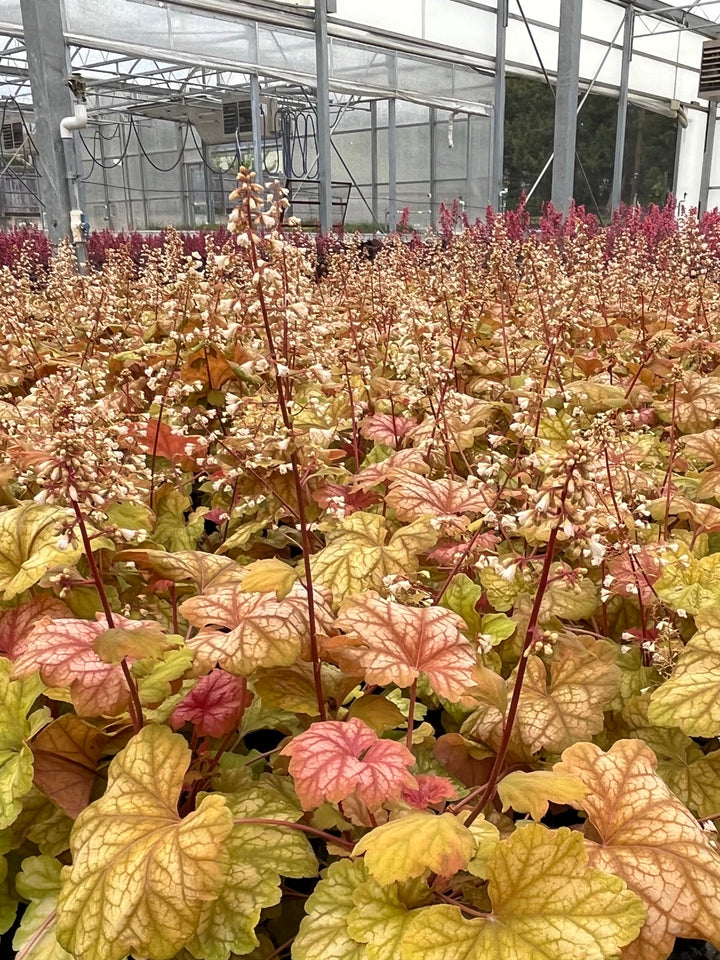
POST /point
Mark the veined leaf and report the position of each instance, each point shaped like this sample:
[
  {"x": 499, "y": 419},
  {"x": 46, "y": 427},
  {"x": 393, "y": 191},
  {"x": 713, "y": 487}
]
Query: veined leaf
[
  {"x": 16, "y": 762},
  {"x": 61, "y": 651},
  {"x": 213, "y": 705},
  {"x": 648, "y": 838},
  {"x": 387, "y": 642},
  {"x": 357, "y": 557},
  {"x": 16, "y": 622},
  {"x": 335, "y": 760},
  {"x": 691, "y": 584},
  {"x": 29, "y": 546},
  {"x": 546, "y": 903},
  {"x": 690, "y": 699},
  {"x": 269, "y": 576},
  {"x": 412, "y": 496},
  {"x": 65, "y": 756},
  {"x": 381, "y": 913},
  {"x": 36, "y": 937},
  {"x": 405, "y": 848},
  {"x": 241, "y": 631},
  {"x": 531, "y": 792},
  {"x": 257, "y": 855},
  {"x": 207, "y": 571},
  {"x": 140, "y": 873},
  {"x": 324, "y": 933},
  {"x": 558, "y": 710}
]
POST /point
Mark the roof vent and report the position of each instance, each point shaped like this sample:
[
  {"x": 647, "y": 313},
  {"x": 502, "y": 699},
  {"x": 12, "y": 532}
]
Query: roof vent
[{"x": 710, "y": 71}]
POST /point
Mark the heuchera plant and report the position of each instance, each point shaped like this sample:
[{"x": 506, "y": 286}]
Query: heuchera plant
[{"x": 363, "y": 613}]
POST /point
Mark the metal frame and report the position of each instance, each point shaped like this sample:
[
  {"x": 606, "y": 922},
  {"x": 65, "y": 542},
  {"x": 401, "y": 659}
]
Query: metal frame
[{"x": 566, "y": 104}]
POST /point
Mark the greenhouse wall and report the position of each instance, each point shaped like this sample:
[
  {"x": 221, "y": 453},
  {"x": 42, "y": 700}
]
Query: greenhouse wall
[{"x": 434, "y": 59}]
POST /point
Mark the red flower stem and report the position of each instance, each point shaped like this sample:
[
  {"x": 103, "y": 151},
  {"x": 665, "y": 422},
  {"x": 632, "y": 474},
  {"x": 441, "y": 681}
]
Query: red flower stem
[
  {"x": 411, "y": 714},
  {"x": 134, "y": 707},
  {"x": 489, "y": 791},
  {"x": 299, "y": 492},
  {"x": 312, "y": 831}
]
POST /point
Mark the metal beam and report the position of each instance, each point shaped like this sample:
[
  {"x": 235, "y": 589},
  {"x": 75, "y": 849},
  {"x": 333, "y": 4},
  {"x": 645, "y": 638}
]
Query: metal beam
[
  {"x": 616, "y": 193},
  {"x": 392, "y": 167},
  {"x": 49, "y": 66},
  {"x": 707, "y": 157},
  {"x": 566, "y": 104},
  {"x": 322, "y": 71},
  {"x": 498, "y": 150}
]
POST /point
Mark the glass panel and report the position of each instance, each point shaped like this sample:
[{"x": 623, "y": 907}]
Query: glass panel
[{"x": 649, "y": 163}]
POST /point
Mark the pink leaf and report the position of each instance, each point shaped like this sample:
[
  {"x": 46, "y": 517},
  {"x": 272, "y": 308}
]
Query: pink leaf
[
  {"x": 385, "y": 428},
  {"x": 335, "y": 760},
  {"x": 430, "y": 789},
  {"x": 61, "y": 651},
  {"x": 214, "y": 705},
  {"x": 15, "y": 624},
  {"x": 390, "y": 643}
]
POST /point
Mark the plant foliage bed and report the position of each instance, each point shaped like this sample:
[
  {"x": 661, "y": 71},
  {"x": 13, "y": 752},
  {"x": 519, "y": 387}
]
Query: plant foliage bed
[{"x": 367, "y": 616}]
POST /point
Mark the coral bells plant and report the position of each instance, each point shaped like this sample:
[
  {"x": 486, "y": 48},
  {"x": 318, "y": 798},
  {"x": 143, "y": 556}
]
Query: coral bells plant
[{"x": 365, "y": 612}]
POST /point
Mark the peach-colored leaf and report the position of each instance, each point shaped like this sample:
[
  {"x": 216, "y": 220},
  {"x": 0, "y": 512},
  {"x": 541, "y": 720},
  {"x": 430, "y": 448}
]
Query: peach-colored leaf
[
  {"x": 413, "y": 496},
  {"x": 386, "y": 428},
  {"x": 391, "y": 643},
  {"x": 394, "y": 465},
  {"x": 649, "y": 839},
  {"x": 15, "y": 623},
  {"x": 241, "y": 632},
  {"x": 213, "y": 706},
  {"x": 556, "y": 710},
  {"x": 65, "y": 755},
  {"x": 335, "y": 760},
  {"x": 430, "y": 789},
  {"x": 61, "y": 651},
  {"x": 207, "y": 571}
]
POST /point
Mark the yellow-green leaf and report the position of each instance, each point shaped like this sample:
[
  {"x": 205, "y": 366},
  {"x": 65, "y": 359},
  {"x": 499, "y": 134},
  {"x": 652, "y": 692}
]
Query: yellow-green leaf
[
  {"x": 269, "y": 576},
  {"x": 140, "y": 873},
  {"x": 690, "y": 699},
  {"x": 460, "y": 597},
  {"x": 358, "y": 558},
  {"x": 547, "y": 903},
  {"x": 381, "y": 913},
  {"x": 146, "y": 642},
  {"x": 531, "y": 791},
  {"x": 324, "y": 933},
  {"x": 36, "y": 937},
  {"x": 688, "y": 583},
  {"x": 31, "y": 544},
  {"x": 378, "y": 713},
  {"x": 405, "y": 848},
  {"x": 16, "y": 761},
  {"x": 257, "y": 856}
]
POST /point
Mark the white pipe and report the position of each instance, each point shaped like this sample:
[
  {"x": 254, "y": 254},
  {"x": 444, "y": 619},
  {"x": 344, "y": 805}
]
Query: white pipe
[{"x": 76, "y": 122}]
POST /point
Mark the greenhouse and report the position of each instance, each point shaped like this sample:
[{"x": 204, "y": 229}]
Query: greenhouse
[
  {"x": 422, "y": 103},
  {"x": 359, "y": 480}
]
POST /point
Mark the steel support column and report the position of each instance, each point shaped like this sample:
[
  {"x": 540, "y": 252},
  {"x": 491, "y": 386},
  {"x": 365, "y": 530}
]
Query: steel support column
[
  {"x": 498, "y": 134},
  {"x": 566, "y": 104},
  {"x": 433, "y": 164},
  {"x": 707, "y": 157},
  {"x": 616, "y": 194},
  {"x": 392, "y": 166},
  {"x": 322, "y": 70},
  {"x": 49, "y": 67},
  {"x": 257, "y": 128},
  {"x": 374, "y": 160}
]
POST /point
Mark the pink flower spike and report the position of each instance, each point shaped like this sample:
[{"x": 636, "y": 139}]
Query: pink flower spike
[
  {"x": 334, "y": 760},
  {"x": 430, "y": 789},
  {"x": 214, "y": 705}
]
